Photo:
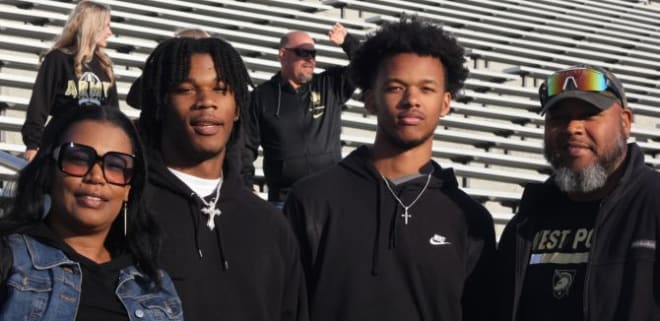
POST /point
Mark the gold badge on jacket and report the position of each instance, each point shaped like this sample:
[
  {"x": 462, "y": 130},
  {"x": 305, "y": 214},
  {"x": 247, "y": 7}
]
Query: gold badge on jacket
[{"x": 317, "y": 110}]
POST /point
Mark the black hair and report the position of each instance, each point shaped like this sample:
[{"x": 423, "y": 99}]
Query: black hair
[
  {"x": 169, "y": 65},
  {"x": 409, "y": 35},
  {"x": 142, "y": 239}
]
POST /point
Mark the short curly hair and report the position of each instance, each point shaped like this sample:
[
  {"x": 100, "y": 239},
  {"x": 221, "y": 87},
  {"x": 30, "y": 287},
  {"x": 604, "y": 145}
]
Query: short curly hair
[{"x": 409, "y": 35}]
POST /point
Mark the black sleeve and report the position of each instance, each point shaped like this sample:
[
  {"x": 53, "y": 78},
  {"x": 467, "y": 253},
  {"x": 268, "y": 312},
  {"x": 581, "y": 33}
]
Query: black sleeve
[
  {"x": 295, "y": 296},
  {"x": 479, "y": 289},
  {"x": 252, "y": 140},
  {"x": 351, "y": 43},
  {"x": 50, "y": 77},
  {"x": 294, "y": 211},
  {"x": 342, "y": 86}
]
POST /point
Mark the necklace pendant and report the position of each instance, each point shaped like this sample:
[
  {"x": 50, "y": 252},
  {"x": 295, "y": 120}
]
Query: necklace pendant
[
  {"x": 211, "y": 212},
  {"x": 405, "y": 216}
]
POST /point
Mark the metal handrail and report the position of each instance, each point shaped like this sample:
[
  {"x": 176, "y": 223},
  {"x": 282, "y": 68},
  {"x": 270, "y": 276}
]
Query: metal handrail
[{"x": 12, "y": 162}]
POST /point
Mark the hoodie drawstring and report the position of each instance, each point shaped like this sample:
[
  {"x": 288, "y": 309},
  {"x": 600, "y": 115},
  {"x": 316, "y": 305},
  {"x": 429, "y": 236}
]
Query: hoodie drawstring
[
  {"x": 221, "y": 248},
  {"x": 279, "y": 101},
  {"x": 375, "y": 257},
  {"x": 194, "y": 209},
  {"x": 393, "y": 231},
  {"x": 193, "y": 203}
]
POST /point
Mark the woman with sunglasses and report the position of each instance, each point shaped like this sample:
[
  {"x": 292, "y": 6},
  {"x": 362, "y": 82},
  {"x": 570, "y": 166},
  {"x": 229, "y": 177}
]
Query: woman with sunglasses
[
  {"x": 76, "y": 245},
  {"x": 74, "y": 72}
]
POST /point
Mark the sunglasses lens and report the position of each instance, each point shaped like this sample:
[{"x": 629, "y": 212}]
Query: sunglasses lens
[
  {"x": 118, "y": 168},
  {"x": 576, "y": 79},
  {"x": 76, "y": 160},
  {"x": 305, "y": 53}
]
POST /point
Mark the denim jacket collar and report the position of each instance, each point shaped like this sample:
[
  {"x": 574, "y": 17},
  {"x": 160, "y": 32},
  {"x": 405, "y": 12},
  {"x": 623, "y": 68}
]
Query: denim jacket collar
[{"x": 43, "y": 257}]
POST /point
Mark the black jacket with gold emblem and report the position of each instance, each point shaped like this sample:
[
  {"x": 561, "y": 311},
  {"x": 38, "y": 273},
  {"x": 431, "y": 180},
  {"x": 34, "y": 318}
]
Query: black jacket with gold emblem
[
  {"x": 623, "y": 273},
  {"x": 297, "y": 129}
]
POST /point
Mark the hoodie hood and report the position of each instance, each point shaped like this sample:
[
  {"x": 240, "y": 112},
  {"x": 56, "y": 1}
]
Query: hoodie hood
[
  {"x": 360, "y": 160},
  {"x": 277, "y": 81},
  {"x": 387, "y": 219}
]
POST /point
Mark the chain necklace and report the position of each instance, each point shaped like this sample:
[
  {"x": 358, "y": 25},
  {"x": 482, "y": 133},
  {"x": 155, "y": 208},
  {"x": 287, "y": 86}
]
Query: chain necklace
[
  {"x": 405, "y": 214},
  {"x": 210, "y": 208}
]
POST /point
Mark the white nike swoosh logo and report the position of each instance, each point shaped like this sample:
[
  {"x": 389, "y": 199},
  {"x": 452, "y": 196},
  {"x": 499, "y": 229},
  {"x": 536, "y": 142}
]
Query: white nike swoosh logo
[{"x": 438, "y": 239}]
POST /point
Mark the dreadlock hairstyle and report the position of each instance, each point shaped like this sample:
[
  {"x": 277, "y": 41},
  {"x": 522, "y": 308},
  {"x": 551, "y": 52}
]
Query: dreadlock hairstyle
[
  {"x": 169, "y": 65},
  {"x": 409, "y": 35},
  {"x": 35, "y": 181}
]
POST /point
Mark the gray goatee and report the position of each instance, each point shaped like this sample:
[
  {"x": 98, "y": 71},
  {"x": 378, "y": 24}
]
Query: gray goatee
[{"x": 592, "y": 177}]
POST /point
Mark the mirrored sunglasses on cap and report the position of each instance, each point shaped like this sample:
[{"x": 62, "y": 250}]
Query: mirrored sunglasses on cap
[
  {"x": 303, "y": 53},
  {"x": 78, "y": 159},
  {"x": 580, "y": 79}
]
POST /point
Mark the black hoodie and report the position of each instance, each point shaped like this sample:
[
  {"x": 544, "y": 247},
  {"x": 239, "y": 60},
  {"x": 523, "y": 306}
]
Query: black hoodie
[
  {"x": 363, "y": 263},
  {"x": 248, "y": 268},
  {"x": 622, "y": 281}
]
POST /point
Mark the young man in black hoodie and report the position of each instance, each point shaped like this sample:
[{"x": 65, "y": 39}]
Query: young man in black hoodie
[
  {"x": 231, "y": 255},
  {"x": 387, "y": 234},
  {"x": 296, "y": 115},
  {"x": 583, "y": 244}
]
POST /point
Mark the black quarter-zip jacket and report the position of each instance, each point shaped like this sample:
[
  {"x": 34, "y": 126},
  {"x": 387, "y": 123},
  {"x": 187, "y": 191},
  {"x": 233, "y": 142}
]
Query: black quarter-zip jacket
[
  {"x": 622, "y": 280},
  {"x": 248, "y": 268},
  {"x": 299, "y": 130},
  {"x": 362, "y": 262}
]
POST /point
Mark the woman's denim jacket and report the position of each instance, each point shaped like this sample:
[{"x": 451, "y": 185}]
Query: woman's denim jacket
[{"x": 44, "y": 284}]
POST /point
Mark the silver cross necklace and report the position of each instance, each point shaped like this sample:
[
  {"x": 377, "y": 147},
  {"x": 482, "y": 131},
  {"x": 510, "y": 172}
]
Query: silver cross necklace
[
  {"x": 211, "y": 210},
  {"x": 406, "y": 216}
]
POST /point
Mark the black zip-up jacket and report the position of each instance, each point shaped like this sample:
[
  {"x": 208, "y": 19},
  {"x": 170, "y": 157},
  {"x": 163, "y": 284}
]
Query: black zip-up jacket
[
  {"x": 363, "y": 263},
  {"x": 248, "y": 268},
  {"x": 58, "y": 89},
  {"x": 622, "y": 280},
  {"x": 299, "y": 130}
]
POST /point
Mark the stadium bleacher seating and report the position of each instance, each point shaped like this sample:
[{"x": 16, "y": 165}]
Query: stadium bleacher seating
[{"x": 492, "y": 138}]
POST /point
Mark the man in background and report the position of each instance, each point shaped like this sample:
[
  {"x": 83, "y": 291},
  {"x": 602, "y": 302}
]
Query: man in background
[{"x": 295, "y": 116}]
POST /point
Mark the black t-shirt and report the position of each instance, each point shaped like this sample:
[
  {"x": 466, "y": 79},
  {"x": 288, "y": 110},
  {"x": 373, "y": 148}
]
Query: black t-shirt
[
  {"x": 554, "y": 282},
  {"x": 98, "y": 300}
]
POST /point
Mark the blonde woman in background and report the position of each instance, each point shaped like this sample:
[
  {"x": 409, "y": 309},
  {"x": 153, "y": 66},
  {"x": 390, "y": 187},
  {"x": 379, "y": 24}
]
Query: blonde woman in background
[{"x": 76, "y": 72}]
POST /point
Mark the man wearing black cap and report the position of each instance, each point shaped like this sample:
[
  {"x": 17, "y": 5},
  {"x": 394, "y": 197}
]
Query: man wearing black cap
[{"x": 582, "y": 246}]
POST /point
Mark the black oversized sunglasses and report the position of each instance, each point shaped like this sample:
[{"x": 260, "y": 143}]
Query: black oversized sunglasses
[
  {"x": 303, "y": 53},
  {"x": 78, "y": 159}
]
